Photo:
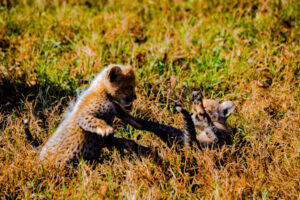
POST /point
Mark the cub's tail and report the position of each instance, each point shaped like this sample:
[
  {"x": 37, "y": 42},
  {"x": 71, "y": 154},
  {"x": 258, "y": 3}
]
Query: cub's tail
[
  {"x": 33, "y": 142},
  {"x": 189, "y": 127}
]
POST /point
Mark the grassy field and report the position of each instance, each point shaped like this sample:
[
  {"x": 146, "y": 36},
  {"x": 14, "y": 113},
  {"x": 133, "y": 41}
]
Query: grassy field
[{"x": 244, "y": 51}]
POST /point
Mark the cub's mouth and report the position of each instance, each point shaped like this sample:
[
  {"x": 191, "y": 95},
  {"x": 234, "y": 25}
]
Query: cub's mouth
[{"x": 127, "y": 105}]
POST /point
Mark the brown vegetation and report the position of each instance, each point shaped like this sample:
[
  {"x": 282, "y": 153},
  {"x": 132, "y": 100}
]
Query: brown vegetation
[{"x": 244, "y": 51}]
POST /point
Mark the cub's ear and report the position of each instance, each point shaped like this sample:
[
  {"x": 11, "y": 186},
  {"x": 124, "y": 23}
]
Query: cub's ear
[
  {"x": 114, "y": 73},
  {"x": 226, "y": 109}
]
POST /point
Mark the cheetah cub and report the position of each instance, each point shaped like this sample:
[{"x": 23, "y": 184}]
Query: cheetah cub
[
  {"x": 87, "y": 125},
  {"x": 206, "y": 125},
  {"x": 210, "y": 120}
]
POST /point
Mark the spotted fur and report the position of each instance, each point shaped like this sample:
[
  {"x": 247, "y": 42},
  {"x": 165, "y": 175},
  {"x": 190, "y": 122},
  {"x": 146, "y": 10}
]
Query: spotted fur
[
  {"x": 87, "y": 125},
  {"x": 213, "y": 129}
]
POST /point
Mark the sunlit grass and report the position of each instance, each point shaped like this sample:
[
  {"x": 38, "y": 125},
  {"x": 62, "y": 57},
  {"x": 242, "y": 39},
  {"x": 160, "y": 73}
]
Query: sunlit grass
[{"x": 243, "y": 51}]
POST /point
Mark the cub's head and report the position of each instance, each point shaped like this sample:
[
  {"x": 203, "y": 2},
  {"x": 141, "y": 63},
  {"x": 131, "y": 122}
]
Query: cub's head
[
  {"x": 218, "y": 114},
  {"x": 120, "y": 84}
]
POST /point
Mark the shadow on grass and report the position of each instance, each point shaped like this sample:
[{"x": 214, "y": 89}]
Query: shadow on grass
[{"x": 13, "y": 94}]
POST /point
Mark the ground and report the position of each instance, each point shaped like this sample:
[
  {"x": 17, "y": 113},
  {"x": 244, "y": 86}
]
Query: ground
[{"x": 244, "y": 51}]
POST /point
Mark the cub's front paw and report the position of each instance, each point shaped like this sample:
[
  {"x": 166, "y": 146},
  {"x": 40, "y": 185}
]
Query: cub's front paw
[{"x": 105, "y": 131}]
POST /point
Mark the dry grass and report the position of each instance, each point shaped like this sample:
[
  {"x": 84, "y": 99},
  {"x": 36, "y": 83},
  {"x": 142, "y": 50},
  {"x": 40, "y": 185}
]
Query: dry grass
[{"x": 245, "y": 51}]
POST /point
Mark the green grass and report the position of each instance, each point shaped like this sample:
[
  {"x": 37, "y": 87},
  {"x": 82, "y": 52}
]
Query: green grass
[{"x": 243, "y": 51}]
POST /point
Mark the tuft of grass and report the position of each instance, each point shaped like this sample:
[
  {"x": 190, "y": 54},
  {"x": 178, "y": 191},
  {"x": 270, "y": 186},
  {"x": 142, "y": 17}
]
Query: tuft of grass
[{"x": 244, "y": 51}]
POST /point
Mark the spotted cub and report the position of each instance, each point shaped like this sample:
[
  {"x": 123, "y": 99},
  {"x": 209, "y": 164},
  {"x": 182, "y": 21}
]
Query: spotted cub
[
  {"x": 87, "y": 125},
  {"x": 210, "y": 119}
]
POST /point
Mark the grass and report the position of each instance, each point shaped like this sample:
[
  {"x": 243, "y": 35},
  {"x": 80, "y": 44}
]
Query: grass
[{"x": 244, "y": 51}]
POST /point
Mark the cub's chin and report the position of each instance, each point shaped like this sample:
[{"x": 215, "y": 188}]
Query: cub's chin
[{"x": 128, "y": 107}]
